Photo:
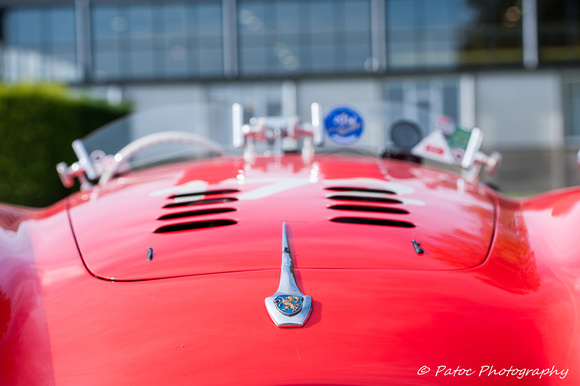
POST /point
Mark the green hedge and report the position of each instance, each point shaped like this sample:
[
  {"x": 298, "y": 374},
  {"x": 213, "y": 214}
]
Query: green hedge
[{"x": 37, "y": 126}]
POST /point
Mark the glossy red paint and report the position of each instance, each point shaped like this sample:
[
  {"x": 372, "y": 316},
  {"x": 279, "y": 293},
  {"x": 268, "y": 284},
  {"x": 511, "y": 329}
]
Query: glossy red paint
[
  {"x": 25, "y": 353},
  {"x": 115, "y": 226},
  {"x": 498, "y": 284}
]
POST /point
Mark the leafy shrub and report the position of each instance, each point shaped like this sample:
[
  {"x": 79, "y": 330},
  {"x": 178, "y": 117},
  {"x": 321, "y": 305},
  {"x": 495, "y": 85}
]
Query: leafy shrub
[{"x": 37, "y": 126}]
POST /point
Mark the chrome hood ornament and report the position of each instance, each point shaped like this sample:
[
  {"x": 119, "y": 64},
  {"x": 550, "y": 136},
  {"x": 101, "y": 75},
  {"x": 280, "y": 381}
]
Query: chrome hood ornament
[{"x": 288, "y": 307}]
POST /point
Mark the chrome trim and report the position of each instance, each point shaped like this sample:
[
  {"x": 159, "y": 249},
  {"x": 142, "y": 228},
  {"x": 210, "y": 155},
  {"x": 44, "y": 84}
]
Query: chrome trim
[
  {"x": 83, "y": 169},
  {"x": 475, "y": 141},
  {"x": 288, "y": 307},
  {"x": 84, "y": 159},
  {"x": 316, "y": 122},
  {"x": 473, "y": 159},
  {"x": 238, "y": 124},
  {"x": 417, "y": 247}
]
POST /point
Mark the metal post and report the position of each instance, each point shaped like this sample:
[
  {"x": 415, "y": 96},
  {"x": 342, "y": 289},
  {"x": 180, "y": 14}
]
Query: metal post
[
  {"x": 530, "y": 34},
  {"x": 83, "y": 38},
  {"x": 230, "y": 38},
  {"x": 378, "y": 36}
]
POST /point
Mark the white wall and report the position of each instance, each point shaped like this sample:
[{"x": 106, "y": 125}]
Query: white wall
[
  {"x": 148, "y": 97},
  {"x": 331, "y": 92},
  {"x": 520, "y": 110}
]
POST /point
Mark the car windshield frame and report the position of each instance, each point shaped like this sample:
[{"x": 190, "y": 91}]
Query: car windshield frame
[{"x": 386, "y": 129}]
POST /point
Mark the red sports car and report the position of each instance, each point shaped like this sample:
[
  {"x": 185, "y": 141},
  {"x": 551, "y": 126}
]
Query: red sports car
[{"x": 202, "y": 250}]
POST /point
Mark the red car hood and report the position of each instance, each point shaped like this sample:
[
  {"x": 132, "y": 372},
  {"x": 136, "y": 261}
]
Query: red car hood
[{"x": 225, "y": 216}]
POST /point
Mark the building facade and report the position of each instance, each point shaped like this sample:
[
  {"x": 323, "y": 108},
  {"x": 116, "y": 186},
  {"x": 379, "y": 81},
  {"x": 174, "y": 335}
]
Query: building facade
[{"x": 510, "y": 67}]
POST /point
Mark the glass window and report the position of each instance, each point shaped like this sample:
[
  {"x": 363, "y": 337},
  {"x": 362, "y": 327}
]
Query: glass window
[
  {"x": 572, "y": 110},
  {"x": 62, "y": 25},
  {"x": 281, "y": 37},
  {"x": 424, "y": 34},
  {"x": 436, "y": 94},
  {"x": 147, "y": 40},
  {"x": 28, "y": 25},
  {"x": 40, "y": 42},
  {"x": 559, "y": 31},
  {"x": 106, "y": 23}
]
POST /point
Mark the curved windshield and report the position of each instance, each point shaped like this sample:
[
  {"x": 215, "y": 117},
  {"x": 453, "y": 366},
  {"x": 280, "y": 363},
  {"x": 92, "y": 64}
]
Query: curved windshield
[
  {"x": 212, "y": 122},
  {"x": 174, "y": 133}
]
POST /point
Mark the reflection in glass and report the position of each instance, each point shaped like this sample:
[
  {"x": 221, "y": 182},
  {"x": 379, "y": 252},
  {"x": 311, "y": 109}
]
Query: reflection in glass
[
  {"x": 40, "y": 43},
  {"x": 157, "y": 40},
  {"x": 559, "y": 31},
  {"x": 450, "y": 33},
  {"x": 288, "y": 37}
]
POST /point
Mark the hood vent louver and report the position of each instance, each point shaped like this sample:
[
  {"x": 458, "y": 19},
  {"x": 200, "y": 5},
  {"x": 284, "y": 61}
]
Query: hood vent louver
[
  {"x": 194, "y": 199},
  {"x": 193, "y": 213},
  {"x": 205, "y": 193},
  {"x": 374, "y": 198},
  {"x": 364, "y": 198},
  {"x": 345, "y": 193},
  {"x": 363, "y": 190},
  {"x": 368, "y": 208},
  {"x": 201, "y": 202},
  {"x": 188, "y": 226},
  {"x": 373, "y": 221}
]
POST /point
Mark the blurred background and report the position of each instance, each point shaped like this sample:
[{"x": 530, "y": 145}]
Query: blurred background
[{"x": 510, "y": 67}]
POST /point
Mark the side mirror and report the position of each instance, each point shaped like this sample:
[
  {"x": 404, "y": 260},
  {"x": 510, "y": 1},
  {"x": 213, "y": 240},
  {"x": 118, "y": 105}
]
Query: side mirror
[
  {"x": 473, "y": 159},
  {"x": 82, "y": 169}
]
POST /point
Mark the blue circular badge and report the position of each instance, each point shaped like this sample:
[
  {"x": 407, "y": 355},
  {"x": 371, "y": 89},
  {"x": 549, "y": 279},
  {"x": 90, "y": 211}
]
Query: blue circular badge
[{"x": 344, "y": 125}]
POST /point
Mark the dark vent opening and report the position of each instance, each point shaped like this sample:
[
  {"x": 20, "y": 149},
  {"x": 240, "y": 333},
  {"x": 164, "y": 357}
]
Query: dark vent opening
[
  {"x": 188, "y": 226},
  {"x": 366, "y": 208},
  {"x": 205, "y": 193},
  {"x": 201, "y": 202},
  {"x": 373, "y": 221},
  {"x": 364, "y": 199},
  {"x": 193, "y": 213},
  {"x": 364, "y": 190}
]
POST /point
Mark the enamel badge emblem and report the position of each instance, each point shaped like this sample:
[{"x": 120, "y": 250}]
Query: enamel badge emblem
[
  {"x": 289, "y": 304},
  {"x": 288, "y": 307}
]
